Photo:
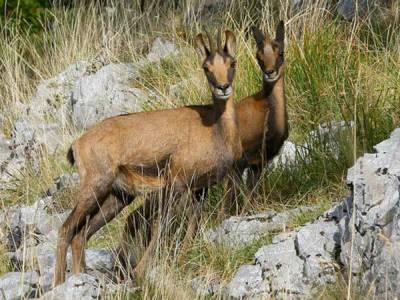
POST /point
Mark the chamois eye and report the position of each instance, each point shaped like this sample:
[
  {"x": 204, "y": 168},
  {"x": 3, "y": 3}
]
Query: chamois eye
[
  {"x": 205, "y": 68},
  {"x": 233, "y": 64}
]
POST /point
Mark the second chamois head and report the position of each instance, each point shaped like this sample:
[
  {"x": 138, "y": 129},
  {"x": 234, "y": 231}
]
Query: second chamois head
[
  {"x": 219, "y": 64},
  {"x": 270, "y": 53}
]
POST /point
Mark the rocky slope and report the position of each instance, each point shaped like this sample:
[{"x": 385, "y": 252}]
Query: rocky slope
[
  {"x": 296, "y": 263},
  {"x": 299, "y": 262}
]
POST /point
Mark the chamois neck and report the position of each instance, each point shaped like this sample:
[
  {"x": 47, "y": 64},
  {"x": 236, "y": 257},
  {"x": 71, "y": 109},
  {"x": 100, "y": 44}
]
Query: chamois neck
[
  {"x": 275, "y": 94},
  {"x": 227, "y": 121},
  {"x": 273, "y": 87}
]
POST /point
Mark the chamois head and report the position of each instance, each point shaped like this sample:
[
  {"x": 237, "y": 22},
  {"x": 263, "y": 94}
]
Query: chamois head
[
  {"x": 270, "y": 53},
  {"x": 219, "y": 64}
]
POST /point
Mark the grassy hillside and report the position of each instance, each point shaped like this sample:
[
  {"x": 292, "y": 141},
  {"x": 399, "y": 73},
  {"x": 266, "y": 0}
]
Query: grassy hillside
[{"x": 335, "y": 70}]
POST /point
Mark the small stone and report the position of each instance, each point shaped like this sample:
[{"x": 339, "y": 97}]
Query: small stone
[
  {"x": 18, "y": 285},
  {"x": 66, "y": 180},
  {"x": 40, "y": 257},
  {"x": 160, "y": 50},
  {"x": 101, "y": 260},
  {"x": 236, "y": 232},
  {"x": 349, "y": 8},
  {"x": 78, "y": 286},
  {"x": 248, "y": 282},
  {"x": 11, "y": 229},
  {"x": 320, "y": 239},
  {"x": 5, "y": 150},
  {"x": 204, "y": 287},
  {"x": 282, "y": 267}
]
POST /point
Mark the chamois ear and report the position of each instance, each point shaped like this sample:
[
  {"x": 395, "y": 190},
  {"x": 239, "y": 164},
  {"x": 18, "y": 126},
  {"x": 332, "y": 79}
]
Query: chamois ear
[
  {"x": 201, "y": 46},
  {"x": 230, "y": 43},
  {"x": 280, "y": 32},
  {"x": 258, "y": 36}
]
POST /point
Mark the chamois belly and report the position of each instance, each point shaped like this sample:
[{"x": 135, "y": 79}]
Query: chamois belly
[
  {"x": 204, "y": 167},
  {"x": 179, "y": 174}
]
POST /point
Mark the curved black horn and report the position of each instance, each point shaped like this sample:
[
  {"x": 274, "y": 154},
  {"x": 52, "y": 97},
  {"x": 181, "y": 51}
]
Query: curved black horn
[
  {"x": 258, "y": 36},
  {"x": 210, "y": 42},
  {"x": 219, "y": 42}
]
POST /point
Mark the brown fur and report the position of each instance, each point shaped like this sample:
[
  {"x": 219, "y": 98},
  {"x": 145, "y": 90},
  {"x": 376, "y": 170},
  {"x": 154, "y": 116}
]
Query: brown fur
[
  {"x": 263, "y": 116},
  {"x": 263, "y": 120},
  {"x": 263, "y": 125},
  {"x": 142, "y": 153}
]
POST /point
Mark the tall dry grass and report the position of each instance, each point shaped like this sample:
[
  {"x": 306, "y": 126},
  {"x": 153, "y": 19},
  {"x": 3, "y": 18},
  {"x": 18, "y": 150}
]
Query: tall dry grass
[{"x": 335, "y": 70}]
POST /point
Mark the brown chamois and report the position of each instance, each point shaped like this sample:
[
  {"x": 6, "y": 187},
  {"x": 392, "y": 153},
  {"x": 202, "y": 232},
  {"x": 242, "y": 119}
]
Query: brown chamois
[
  {"x": 143, "y": 153},
  {"x": 263, "y": 127},
  {"x": 263, "y": 119}
]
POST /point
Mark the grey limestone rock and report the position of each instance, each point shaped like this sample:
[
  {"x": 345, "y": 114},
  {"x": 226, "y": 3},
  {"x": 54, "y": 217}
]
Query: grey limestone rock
[
  {"x": 248, "y": 282},
  {"x": 375, "y": 180},
  {"x": 78, "y": 286},
  {"x": 105, "y": 93},
  {"x": 282, "y": 267},
  {"x": 236, "y": 232},
  {"x": 161, "y": 49},
  {"x": 18, "y": 285}
]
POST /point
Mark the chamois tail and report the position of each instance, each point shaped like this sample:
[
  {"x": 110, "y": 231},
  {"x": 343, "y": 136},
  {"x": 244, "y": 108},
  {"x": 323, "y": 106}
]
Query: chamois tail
[{"x": 70, "y": 156}]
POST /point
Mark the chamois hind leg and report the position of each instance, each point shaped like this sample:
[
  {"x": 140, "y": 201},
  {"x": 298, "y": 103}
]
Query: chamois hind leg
[
  {"x": 164, "y": 204},
  {"x": 92, "y": 193},
  {"x": 148, "y": 215},
  {"x": 141, "y": 266},
  {"x": 111, "y": 207},
  {"x": 140, "y": 218},
  {"x": 193, "y": 217}
]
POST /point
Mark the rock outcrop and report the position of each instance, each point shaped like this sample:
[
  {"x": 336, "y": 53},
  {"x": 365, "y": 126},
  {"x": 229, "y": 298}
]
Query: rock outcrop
[
  {"x": 349, "y": 9},
  {"x": 298, "y": 263},
  {"x": 375, "y": 256},
  {"x": 105, "y": 93},
  {"x": 236, "y": 232}
]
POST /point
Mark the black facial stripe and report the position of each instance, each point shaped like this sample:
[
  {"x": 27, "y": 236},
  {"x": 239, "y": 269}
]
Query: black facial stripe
[
  {"x": 211, "y": 78},
  {"x": 210, "y": 59},
  {"x": 279, "y": 62},
  {"x": 231, "y": 73}
]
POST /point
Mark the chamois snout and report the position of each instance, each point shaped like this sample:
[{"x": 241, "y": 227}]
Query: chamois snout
[
  {"x": 271, "y": 75},
  {"x": 223, "y": 91}
]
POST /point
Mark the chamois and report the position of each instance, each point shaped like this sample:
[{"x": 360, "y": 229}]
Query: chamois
[
  {"x": 136, "y": 154},
  {"x": 263, "y": 119},
  {"x": 263, "y": 126}
]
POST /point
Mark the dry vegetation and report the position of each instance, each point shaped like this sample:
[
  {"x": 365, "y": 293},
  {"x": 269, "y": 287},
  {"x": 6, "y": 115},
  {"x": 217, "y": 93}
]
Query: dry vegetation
[{"x": 335, "y": 70}]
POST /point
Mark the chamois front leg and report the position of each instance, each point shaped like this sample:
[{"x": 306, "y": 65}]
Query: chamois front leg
[{"x": 230, "y": 200}]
